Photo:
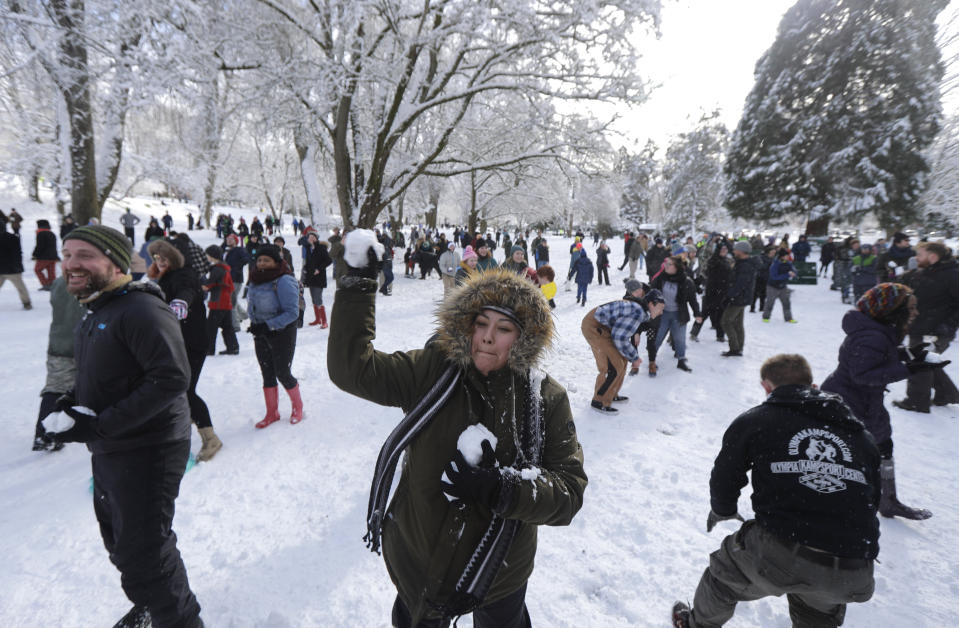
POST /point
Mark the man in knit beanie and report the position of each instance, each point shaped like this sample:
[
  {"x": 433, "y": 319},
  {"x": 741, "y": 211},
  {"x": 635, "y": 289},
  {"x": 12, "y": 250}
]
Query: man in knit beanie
[{"x": 129, "y": 406}]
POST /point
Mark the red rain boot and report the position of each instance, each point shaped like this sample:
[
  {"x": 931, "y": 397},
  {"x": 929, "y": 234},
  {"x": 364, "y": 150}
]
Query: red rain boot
[
  {"x": 297, "y": 404},
  {"x": 271, "y": 395},
  {"x": 321, "y": 314},
  {"x": 318, "y": 312}
]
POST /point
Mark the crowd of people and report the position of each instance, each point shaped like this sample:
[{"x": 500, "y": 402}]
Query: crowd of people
[{"x": 459, "y": 536}]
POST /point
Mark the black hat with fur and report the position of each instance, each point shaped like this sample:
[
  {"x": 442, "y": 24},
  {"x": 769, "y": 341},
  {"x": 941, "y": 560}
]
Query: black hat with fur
[{"x": 505, "y": 292}]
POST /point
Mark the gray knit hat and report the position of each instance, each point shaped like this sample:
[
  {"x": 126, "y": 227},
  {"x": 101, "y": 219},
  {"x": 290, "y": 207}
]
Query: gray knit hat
[
  {"x": 111, "y": 242},
  {"x": 743, "y": 246}
]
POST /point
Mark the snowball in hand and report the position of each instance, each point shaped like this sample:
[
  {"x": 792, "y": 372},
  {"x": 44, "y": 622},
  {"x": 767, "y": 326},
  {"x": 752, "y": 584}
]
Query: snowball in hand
[
  {"x": 57, "y": 422},
  {"x": 470, "y": 443},
  {"x": 355, "y": 245},
  {"x": 933, "y": 358}
]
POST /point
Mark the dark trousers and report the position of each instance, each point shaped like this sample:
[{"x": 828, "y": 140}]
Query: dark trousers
[
  {"x": 920, "y": 386},
  {"x": 198, "y": 410},
  {"x": 753, "y": 564},
  {"x": 274, "y": 352},
  {"x": 220, "y": 320},
  {"x": 603, "y": 274},
  {"x": 732, "y": 322},
  {"x": 387, "y": 274},
  {"x": 509, "y": 612},
  {"x": 715, "y": 316},
  {"x": 759, "y": 294},
  {"x": 129, "y": 233},
  {"x": 133, "y": 496}
]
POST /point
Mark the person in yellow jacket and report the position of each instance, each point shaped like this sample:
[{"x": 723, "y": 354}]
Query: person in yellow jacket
[{"x": 547, "y": 283}]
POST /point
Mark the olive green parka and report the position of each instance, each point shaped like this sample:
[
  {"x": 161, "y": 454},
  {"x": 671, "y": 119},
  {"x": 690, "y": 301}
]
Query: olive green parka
[{"x": 427, "y": 540}]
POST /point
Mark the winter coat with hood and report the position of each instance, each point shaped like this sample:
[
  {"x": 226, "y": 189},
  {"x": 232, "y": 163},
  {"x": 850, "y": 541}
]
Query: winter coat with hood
[
  {"x": 317, "y": 259},
  {"x": 655, "y": 257},
  {"x": 743, "y": 284},
  {"x": 685, "y": 293},
  {"x": 583, "y": 269},
  {"x": 796, "y": 433},
  {"x": 719, "y": 274},
  {"x": 937, "y": 290},
  {"x": 180, "y": 282},
  {"x": 11, "y": 254},
  {"x": 132, "y": 368},
  {"x": 427, "y": 541},
  {"x": 868, "y": 362}
]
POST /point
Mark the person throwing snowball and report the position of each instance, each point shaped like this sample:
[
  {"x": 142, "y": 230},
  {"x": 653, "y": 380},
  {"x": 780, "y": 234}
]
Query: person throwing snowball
[{"x": 491, "y": 447}]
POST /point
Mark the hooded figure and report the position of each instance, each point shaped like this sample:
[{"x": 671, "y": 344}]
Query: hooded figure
[{"x": 478, "y": 374}]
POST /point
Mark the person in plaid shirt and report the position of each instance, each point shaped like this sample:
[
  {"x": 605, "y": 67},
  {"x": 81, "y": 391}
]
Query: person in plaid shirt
[{"x": 608, "y": 330}]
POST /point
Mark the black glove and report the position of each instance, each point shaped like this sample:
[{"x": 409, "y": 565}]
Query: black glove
[
  {"x": 479, "y": 485},
  {"x": 64, "y": 401},
  {"x": 83, "y": 430},
  {"x": 246, "y": 289},
  {"x": 372, "y": 268},
  {"x": 915, "y": 353},
  {"x": 258, "y": 329},
  {"x": 713, "y": 519},
  {"x": 919, "y": 367}
]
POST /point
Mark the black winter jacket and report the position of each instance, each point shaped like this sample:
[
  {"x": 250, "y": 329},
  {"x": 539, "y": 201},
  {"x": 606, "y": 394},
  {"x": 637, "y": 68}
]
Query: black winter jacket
[
  {"x": 11, "y": 254},
  {"x": 815, "y": 472},
  {"x": 719, "y": 274},
  {"x": 937, "y": 291},
  {"x": 46, "y": 247},
  {"x": 317, "y": 259},
  {"x": 743, "y": 282},
  {"x": 132, "y": 370},
  {"x": 685, "y": 295},
  {"x": 184, "y": 284}
]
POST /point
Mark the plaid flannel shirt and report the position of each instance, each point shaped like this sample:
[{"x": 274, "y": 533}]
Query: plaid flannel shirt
[{"x": 623, "y": 319}]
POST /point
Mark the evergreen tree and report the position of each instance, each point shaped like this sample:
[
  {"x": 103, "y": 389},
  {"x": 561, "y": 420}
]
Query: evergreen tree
[
  {"x": 638, "y": 174},
  {"x": 845, "y": 103}
]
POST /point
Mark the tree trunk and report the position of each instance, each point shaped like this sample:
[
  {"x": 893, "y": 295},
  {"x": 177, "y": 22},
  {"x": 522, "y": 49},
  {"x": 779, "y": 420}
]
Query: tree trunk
[
  {"x": 817, "y": 226},
  {"x": 33, "y": 186},
  {"x": 76, "y": 93},
  {"x": 473, "y": 211},
  {"x": 212, "y": 129},
  {"x": 116, "y": 123},
  {"x": 306, "y": 151}
]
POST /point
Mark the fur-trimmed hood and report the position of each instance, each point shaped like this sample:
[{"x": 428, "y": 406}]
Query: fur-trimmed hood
[
  {"x": 167, "y": 250},
  {"x": 501, "y": 288}
]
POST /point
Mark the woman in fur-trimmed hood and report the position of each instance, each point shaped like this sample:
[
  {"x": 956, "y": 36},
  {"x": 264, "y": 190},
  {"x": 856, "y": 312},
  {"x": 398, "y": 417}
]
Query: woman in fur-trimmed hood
[{"x": 459, "y": 535}]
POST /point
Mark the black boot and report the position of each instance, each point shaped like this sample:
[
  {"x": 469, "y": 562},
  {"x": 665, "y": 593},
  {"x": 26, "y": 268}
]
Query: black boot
[
  {"x": 684, "y": 366},
  {"x": 681, "y": 612},
  {"x": 889, "y": 505},
  {"x": 136, "y": 617}
]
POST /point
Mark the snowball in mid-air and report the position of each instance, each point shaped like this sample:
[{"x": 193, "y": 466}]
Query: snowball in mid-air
[{"x": 470, "y": 443}]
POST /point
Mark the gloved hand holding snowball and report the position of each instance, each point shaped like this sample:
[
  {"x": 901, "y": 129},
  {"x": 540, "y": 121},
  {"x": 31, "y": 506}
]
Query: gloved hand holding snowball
[
  {"x": 71, "y": 424},
  {"x": 362, "y": 253},
  {"x": 471, "y": 476}
]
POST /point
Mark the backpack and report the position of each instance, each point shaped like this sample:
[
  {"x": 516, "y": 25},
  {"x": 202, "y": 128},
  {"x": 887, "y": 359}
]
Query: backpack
[{"x": 301, "y": 301}]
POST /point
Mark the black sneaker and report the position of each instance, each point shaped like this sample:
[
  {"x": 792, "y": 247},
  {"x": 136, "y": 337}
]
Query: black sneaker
[
  {"x": 136, "y": 617},
  {"x": 732, "y": 354},
  {"x": 599, "y": 407},
  {"x": 620, "y": 399},
  {"x": 684, "y": 366},
  {"x": 681, "y": 612},
  {"x": 905, "y": 404},
  {"x": 230, "y": 352}
]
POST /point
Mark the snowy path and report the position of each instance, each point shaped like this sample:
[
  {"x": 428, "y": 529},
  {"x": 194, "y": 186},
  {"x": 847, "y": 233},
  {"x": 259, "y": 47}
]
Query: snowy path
[{"x": 271, "y": 529}]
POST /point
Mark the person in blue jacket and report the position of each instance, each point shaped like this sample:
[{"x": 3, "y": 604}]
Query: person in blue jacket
[
  {"x": 583, "y": 269},
  {"x": 777, "y": 286},
  {"x": 274, "y": 307},
  {"x": 801, "y": 249}
]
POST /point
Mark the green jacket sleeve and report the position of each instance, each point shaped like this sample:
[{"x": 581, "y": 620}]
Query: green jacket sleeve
[
  {"x": 552, "y": 493},
  {"x": 389, "y": 379}
]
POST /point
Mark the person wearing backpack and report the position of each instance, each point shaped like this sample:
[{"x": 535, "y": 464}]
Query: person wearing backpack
[{"x": 273, "y": 306}]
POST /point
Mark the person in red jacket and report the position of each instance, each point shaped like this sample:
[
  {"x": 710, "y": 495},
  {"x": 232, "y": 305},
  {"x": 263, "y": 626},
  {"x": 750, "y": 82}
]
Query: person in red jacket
[
  {"x": 219, "y": 284},
  {"x": 45, "y": 254}
]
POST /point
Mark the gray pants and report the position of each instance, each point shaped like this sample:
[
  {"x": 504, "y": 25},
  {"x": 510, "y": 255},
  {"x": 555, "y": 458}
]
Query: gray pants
[
  {"x": 753, "y": 564},
  {"x": 773, "y": 293},
  {"x": 733, "y": 326},
  {"x": 17, "y": 280}
]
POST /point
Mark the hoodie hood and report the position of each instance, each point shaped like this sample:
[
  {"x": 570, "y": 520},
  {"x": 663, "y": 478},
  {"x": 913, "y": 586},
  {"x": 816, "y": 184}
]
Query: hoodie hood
[
  {"x": 497, "y": 288},
  {"x": 855, "y": 321},
  {"x": 813, "y": 402}
]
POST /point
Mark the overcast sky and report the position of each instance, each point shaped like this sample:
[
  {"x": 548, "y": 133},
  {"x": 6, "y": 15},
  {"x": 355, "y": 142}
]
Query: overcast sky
[{"x": 703, "y": 61}]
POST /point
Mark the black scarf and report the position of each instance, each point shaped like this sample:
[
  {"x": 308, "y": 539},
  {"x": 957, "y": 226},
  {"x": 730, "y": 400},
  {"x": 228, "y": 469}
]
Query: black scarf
[
  {"x": 489, "y": 555},
  {"x": 258, "y": 276}
]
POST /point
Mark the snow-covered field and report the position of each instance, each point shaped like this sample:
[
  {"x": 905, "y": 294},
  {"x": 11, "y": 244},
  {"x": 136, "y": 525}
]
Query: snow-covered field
[{"x": 271, "y": 529}]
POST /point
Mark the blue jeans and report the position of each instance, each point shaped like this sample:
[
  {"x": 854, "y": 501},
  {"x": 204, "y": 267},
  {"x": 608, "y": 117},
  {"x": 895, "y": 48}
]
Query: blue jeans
[
  {"x": 581, "y": 291},
  {"x": 669, "y": 322}
]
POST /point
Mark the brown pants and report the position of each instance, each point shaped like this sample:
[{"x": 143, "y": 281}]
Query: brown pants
[
  {"x": 611, "y": 364},
  {"x": 17, "y": 280}
]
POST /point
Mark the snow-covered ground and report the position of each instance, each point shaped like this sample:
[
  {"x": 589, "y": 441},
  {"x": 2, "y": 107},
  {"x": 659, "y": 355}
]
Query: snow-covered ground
[{"x": 271, "y": 529}]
